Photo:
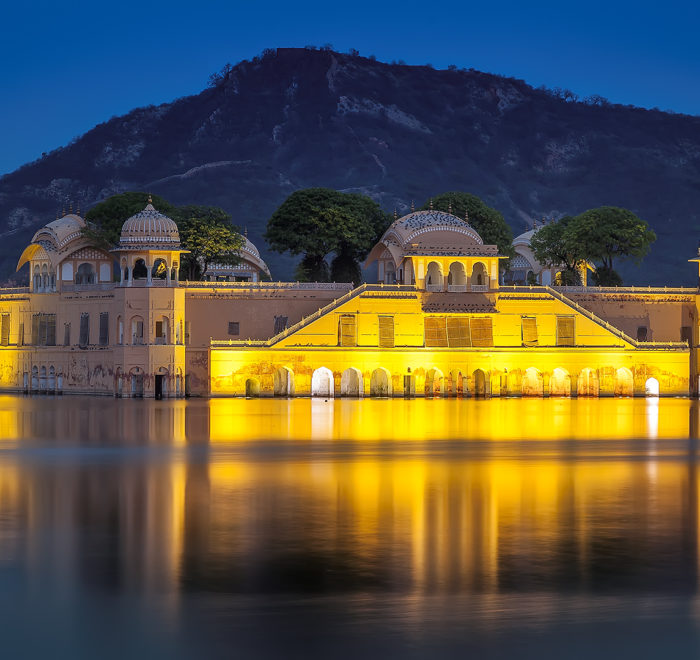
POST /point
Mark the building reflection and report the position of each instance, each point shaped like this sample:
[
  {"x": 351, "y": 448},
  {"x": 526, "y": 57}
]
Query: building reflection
[{"x": 418, "y": 496}]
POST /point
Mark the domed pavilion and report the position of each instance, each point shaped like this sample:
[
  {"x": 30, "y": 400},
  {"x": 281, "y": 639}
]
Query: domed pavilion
[
  {"x": 435, "y": 251},
  {"x": 149, "y": 249}
]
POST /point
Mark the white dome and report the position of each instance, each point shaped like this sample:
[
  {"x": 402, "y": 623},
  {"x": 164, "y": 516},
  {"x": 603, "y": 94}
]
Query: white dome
[{"x": 149, "y": 229}]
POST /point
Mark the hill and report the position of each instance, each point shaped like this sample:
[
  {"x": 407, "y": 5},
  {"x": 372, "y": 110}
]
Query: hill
[{"x": 294, "y": 118}]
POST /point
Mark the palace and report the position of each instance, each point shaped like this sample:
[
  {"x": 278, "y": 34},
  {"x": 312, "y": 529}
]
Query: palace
[{"x": 438, "y": 322}]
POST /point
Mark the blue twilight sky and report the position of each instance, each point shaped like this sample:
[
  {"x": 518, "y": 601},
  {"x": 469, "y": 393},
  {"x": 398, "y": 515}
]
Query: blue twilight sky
[{"x": 66, "y": 66}]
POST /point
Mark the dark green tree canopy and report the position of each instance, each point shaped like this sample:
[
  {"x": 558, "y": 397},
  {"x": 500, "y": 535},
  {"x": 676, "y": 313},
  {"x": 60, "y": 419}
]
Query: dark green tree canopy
[
  {"x": 610, "y": 232},
  {"x": 553, "y": 245},
  {"x": 206, "y": 231},
  {"x": 597, "y": 235},
  {"x": 316, "y": 222},
  {"x": 488, "y": 222}
]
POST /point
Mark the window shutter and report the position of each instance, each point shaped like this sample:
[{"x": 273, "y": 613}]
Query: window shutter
[
  {"x": 104, "y": 328},
  {"x": 50, "y": 329},
  {"x": 20, "y": 335},
  {"x": 565, "y": 331},
  {"x": 35, "y": 329},
  {"x": 482, "y": 332},
  {"x": 66, "y": 334},
  {"x": 459, "y": 331},
  {"x": 435, "y": 331},
  {"x": 5, "y": 330},
  {"x": 386, "y": 332},
  {"x": 84, "y": 330},
  {"x": 347, "y": 330},
  {"x": 530, "y": 331}
]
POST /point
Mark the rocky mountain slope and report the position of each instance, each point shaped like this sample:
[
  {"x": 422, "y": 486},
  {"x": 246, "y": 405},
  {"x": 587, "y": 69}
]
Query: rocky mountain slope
[{"x": 294, "y": 118}]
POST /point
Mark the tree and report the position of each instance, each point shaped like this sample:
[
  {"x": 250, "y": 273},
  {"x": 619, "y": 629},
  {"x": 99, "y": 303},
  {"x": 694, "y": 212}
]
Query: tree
[
  {"x": 318, "y": 222},
  {"x": 488, "y": 222},
  {"x": 610, "y": 232},
  {"x": 209, "y": 242},
  {"x": 206, "y": 231},
  {"x": 555, "y": 246},
  {"x": 106, "y": 218}
]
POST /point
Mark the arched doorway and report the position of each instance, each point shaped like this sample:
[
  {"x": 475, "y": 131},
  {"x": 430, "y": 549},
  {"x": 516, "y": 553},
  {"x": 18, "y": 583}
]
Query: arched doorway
[
  {"x": 52, "y": 378},
  {"x": 560, "y": 383},
  {"x": 533, "y": 383},
  {"x": 351, "y": 383},
  {"x": 588, "y": 383},
  {"x": 118, "y": 383},
  {"x": 380, "y": 383},
  {"x": 479, "y": 380},
  {"x": 42, "y": 379},
  {"x": 480, "y": 276},
  {"x": 136, "y": 382},
  {"x": 651, "y": 387},
  {"x": 85, "y": 274},
  {"x": 434, "y": 383},
  {"x": 322, "y": 382},
  {"x": 283, "y": 382},
  {"x": 456, "y": 384},
  {"x": 35, "y": 378},
  {"x": 161, "y": 383},
  {"x": 252, "y": 388},
  {"x": 624, "y": 382},
  {"x": 457, "y": 277},
  {"x": 433, "y": 277}
]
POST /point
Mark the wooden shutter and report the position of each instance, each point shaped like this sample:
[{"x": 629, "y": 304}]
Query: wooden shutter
[
  {"x": 20, "y": 334},
  {"x": 5, "y": 330},
  {"x": 386, "y": 332},
  {"x": 35, "y": 329},
  {"x": 435, "y": 331},
  {"x": 459, "y": 331},
  {"x": 66, "y": 334},
  {"x": 50, "y": 329},
  {"x": 482, "y": 332},
  {"x": 347, "y": 330},
  {"x": 104, "y": 328},
  {"x": 84, "y": 330},
  {"x": 565, "y": 331},
  {"x": 530, "y": 331}
]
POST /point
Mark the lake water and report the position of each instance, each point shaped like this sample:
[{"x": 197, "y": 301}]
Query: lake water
[{"x": 390, "y": 528}]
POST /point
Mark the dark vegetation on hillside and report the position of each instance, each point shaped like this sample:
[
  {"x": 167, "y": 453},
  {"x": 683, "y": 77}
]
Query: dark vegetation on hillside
[{"x": 299, "y": 118}]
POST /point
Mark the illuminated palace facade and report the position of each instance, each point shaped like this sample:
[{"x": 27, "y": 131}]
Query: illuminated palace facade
[{"x": 438, "y": 322}]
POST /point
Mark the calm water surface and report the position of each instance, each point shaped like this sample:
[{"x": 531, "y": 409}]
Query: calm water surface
[{"x": 275, "y": 528}]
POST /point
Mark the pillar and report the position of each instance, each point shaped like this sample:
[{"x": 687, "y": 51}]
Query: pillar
[
  {"x": 149, "y": 273},
  {"x": 545, "y": 384}
]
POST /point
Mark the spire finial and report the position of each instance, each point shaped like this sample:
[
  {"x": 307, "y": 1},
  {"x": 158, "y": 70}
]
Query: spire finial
[
  {"x": 413, "y": 206},
  {"x": 466, "y": 216},
  {"x": 449, "y": 207},
  {"x": 150, "y": 199},
  {"x": 431, "y": 203},
  {"x": 70, "y": 207},
  {"x": 245, "y": 231},
  {"x": 396, "y": 215},
  {"x": 77, "y": 209}
]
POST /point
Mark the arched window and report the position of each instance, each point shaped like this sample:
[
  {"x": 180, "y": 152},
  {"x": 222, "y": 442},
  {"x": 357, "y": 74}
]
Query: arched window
[
  {"x": 480, "y": 277},
  {"x": 85, "y": 274},
  {"x": 433, "y": 277},
  {"x": 140, "y": 271},
  {"x": 160, "y": 269},
  {"x": 457, "y": 278}
]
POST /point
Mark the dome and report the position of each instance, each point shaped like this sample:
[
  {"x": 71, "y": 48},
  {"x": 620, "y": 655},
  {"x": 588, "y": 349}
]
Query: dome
[
  {"x": 55, "y": 239},
  {"x": 420, "y": 222},
  {"x": 150, "y": 229}
]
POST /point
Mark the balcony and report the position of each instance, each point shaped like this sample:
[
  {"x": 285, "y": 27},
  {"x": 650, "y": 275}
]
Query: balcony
[
  {"x": 457, "y": 288},
  {"x": 434, "y": 287},
  {"x": 480, "y": 288}
]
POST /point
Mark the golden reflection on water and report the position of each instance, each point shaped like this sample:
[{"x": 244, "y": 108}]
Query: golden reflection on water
[{"x": 427, "y": 496}]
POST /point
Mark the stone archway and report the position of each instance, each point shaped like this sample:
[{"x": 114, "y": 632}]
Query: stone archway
[
  {"x": 533, "y": 382},
  {"x": 560, "y": 383},
  {"x": 380, "y": 383},
  {"x": 479, "y": 380},
  {"x": 434, "y": 383},
  {"x": 351, "y": 383},
  {"x": 322, "y": 383},
  {"x": 283, "y": 382},
  {"x": 624, "y": 382}
]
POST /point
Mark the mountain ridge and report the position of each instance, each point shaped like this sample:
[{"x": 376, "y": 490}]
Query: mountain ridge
[{"x": 296, "y": 118}]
